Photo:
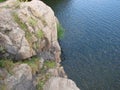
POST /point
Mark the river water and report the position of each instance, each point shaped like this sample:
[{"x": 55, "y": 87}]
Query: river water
[{"x": 91, "y": 45}]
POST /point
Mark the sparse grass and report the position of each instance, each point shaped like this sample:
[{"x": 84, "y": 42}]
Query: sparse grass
[
  {"x": 40, "y": 85},
  {"x": 28, "y": 36},
  {"x": 44, "y": 75},
  {"x": 42, "y": 80},
  {"x": 60, "y": 31},
  {"x": 40, "y": 34},
  {"x": 32, "y": 21},
  {"x": 50, "y": 64},
  {"x": 2, "y": 49},
  {"x": 7, "y": 64},
  {"x": 33, "y": 63},
  {"x": 23, "y": 26},
  {"x": 19, "y": 22}
]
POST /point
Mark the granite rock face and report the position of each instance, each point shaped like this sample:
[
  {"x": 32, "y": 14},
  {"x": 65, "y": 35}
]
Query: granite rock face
[
  {"x": 20, "y": 79},
  {"x": 57, "y": 83},
  {"x": 28, "y": 29}
]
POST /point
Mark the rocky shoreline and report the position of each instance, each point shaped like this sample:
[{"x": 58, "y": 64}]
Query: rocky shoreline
[{"x": 29, "y": 48}]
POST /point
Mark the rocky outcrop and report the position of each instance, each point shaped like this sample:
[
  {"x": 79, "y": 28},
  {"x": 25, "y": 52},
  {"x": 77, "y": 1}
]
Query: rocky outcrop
[
  {"x": 58, "y": 71},
  {"x": 19, "y": 79},
  {"x": 57, "y": 83},
  {"x": 28, "y": 29}
]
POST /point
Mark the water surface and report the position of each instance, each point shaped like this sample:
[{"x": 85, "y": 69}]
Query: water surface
[{"x": 91, "y": 46}]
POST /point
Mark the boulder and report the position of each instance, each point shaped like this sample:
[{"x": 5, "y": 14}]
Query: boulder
[
  {"x": 28, "y": 29},
  {"x": 57, "y": 83},
  {"x": 20, "y": 79}
]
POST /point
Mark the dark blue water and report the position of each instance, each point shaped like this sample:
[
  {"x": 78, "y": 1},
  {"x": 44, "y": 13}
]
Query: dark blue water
[{"x": 91, "y": 46}]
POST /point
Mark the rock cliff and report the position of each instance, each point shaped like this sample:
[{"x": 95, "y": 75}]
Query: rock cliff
[{"x": 29, "y": 29}]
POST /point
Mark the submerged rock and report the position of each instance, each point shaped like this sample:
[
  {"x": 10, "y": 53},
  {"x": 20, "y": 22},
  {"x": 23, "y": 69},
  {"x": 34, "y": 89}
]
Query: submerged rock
[{"x": 28, "y": 29}]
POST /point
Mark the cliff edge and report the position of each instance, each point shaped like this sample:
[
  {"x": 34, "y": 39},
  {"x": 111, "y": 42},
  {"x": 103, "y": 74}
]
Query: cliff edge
[{"x": 29, "y": 48}]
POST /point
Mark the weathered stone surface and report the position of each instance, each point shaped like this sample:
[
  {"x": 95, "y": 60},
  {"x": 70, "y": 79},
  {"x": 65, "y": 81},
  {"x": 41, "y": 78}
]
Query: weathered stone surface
[
  {"x": 27, "y": 29},
  {"x": 57, "y": 72},
  {"x": 57, "y": 83},
  {"x": 21, "y": 79}
]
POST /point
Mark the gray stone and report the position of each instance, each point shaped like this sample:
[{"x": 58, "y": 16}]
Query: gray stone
[
  {"x": 57, "y": 83},
  {"x": 21, "y": 79},
  {"x": 58, "y": 72}
]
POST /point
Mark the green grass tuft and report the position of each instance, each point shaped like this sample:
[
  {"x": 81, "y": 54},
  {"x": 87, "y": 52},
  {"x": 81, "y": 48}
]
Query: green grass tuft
[
  {"x": 23, "y": 26},
  {"x": 19, "y": 22},
  {"x": 33, "y": 63},
  {"x": 42, "y": 80},
  {"x": 32, "y": 21},
  {"x": 50, "y": 64},
  {"x": 40, "y": 34},
  {"x": 60, "y": 31},
  {"x": 7, "y": 64}
]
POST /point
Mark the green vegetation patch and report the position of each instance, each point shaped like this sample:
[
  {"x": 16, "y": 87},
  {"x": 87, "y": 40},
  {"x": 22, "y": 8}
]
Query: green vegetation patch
[
  {"x": 42, "y": 80},
  {"x": 33, "y": 63},
  {"x": 19, "y": 22},
  {"x": 2, "y": 49},
  {"x": 44, "y": 75},
  {"x": 40, "y": 34},
  {"x": 50, "y": 64},
  {"x": 7, "y": 64},
  {"x": 23, "y": 26},
  {"x": 32, "y": 21},
  {"x": 60, "y": 31}
]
